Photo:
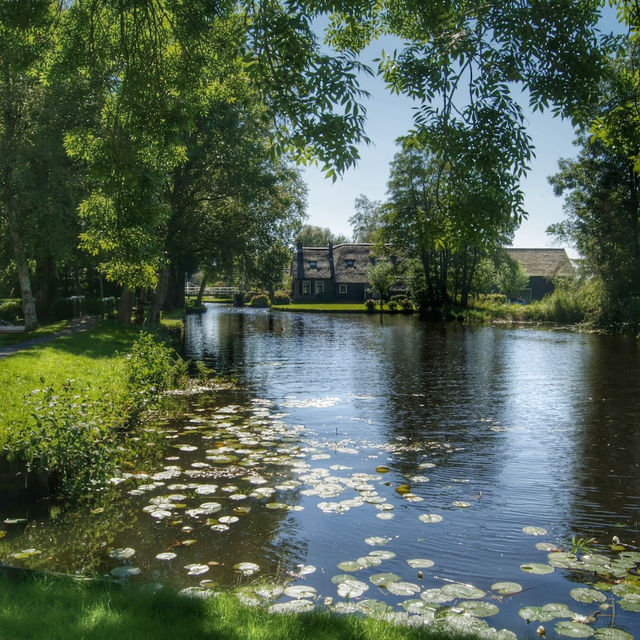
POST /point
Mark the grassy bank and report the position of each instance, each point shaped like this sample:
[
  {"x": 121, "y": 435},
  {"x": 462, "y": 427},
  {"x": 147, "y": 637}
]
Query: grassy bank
[
  {"x": 68, "y": 406},
  {"x": 357, "y": 307},
  {"x": 48, "y": 609},
  {"x": 46, "y": 330}
]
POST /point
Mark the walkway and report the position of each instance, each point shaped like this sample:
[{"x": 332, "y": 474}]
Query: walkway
[{"x": 75, "y": 325}]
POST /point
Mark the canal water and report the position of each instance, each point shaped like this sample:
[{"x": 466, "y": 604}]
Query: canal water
[{"x": 469, "y": 476}]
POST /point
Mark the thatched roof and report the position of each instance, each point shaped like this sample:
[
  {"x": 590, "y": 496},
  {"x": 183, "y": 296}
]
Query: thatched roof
[
  {"x": 350, "y": 262},
  {"x": 546, "y": 263}
]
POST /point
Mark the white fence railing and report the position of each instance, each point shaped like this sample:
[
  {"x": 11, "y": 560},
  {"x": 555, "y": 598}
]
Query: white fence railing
[{"x": 192, "y": 290}]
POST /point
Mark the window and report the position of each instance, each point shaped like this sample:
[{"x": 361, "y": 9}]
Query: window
[
  {"x": 351, "y": 263},
  {"x": 313, "y": 264},
  {"x": 372, "y": 260},
  {"x": 319, "y": 287},
  {"x": 306, "y": 288},
  {"x": 342, "y": 288}
]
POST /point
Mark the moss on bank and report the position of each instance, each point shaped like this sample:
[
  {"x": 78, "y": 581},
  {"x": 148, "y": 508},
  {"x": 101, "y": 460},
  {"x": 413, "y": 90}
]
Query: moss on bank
[{"x": 45, "y": 608}]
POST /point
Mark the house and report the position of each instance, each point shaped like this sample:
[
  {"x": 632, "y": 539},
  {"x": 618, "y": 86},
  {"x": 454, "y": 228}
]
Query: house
[
  {"x": 542, "y": 266},
  {"x": 333, "y": 274}
]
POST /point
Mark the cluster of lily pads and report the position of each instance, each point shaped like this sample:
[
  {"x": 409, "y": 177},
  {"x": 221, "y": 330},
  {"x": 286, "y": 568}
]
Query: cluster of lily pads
[{"x": 255, "y": 460}]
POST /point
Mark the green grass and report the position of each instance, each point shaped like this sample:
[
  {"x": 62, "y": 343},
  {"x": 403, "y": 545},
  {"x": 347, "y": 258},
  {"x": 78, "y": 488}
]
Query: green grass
[
  {"x": 45, "y": 608},
  {"x": 172, "y": 319},
  {"x": 14, "y": 338},
  {"x": 335, "y": 307},
  {"x": 93, "y": 358}
]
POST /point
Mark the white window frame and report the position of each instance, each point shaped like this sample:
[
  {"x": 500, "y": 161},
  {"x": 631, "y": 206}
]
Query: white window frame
[
  {"x": 306, "y": 287},
  {"x": 319, "y": 288},
  {"x": 342, "y": 288}
]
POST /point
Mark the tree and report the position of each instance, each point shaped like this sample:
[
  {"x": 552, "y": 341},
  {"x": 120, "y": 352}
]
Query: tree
[
  {"x": 602, "y": 192},
  {"x": 312, "y": 236},
  {"x": 382, "y": 277},
  {"x": 510, "y": 277},
  {"x": 445, "y": 219},
  {"x": 365, "y": 222}
]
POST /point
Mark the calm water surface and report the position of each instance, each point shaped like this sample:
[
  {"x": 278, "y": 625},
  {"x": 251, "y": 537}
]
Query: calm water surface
[{"x": 491, "y": 429}]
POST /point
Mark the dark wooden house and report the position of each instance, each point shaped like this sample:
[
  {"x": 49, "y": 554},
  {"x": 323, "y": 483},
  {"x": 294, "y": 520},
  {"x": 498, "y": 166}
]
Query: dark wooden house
[
  {"x": 333, "y": 274},
  {"x": 542, "y": 266}
]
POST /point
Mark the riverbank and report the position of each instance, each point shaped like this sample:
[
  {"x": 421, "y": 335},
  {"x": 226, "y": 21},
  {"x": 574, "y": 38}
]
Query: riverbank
[
  {"x": 68, "y": 407},
  {"x": 44, "y": 608}
]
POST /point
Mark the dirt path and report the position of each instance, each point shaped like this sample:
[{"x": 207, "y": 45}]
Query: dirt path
[{"x": 75, "y": 325}]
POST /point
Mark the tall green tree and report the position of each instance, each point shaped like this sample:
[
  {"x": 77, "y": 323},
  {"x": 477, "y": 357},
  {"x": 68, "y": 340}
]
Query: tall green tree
[
  {"x": 312, "y": 236},
  {"x": 366, "y": 220}
]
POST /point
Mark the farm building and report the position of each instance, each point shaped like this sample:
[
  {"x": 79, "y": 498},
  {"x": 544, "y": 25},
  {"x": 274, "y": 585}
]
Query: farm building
[{"x": 542, "y": 266}]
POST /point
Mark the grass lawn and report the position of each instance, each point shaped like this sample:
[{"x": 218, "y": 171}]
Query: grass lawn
[
  {"x": 336, "y": 307},
  {"x": 94, "y": 359},
  {"x": 63, "y": 609},
  {"x": 14, "y": 338}
]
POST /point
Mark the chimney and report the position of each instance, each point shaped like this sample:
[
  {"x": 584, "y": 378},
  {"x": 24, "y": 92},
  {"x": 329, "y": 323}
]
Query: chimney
[
  {"x": 300, "y": 261},
  {"x": 331, "y": 267}
]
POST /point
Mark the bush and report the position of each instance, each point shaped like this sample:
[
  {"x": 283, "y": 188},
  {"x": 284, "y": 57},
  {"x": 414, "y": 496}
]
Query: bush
[
  {"x": 370, "y": 305},
  {"x": 250, "y": 295},
  {"x": 281, "y": 297},
  {"x": 152, "y": 369},
  {"x": 406, "y": 305},
  {"x": 11, "y": 310},
  {"x": 393, "y": 306},
  {"x": 69, "y": 436},
  {"x": 261, "y": 300},
  {"x": 492, "y": 298}
]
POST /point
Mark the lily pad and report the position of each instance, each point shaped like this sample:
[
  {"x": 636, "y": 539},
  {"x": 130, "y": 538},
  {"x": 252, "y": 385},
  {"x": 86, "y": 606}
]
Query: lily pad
[
  {"x": 420, "y": 607},
  {"x": 461, "y": 504},
  {"x": 536, "y": 568},
  {"x": 167, "y": 555},
  {"x": 573, "y": 629},
  {"x": 125, "y": 572},
  {"x": 430, "y": 518},
  {"x": 377, "y": 541},
  {"x": 460, "y": 590},
  {"x": 534, "y": 531},
  {"x": 300, "y": 591},
  {"x": 374, "y": 608},
  {"x": 382, "y": 469},
  {"x": 269, "y": 590},
  {"x": 536, "y": 614},
  {"x": 350, "y": 565},
  {"x": 247, "y": 568},
  {"x": 25, "y": 553},
  {"x": 587, "y": 595},
  {"x": 383, "y": 579},
  {"x": 506, "y": 588},
  {"x": 122, "y": 554},
  {"x": 383, "y": 554},
  {"x": 292, "y": 606},
  {"x": 479, "y": 608},
  {"x": 546, "y": 546},
  {"x": 420, "y": 563},
  {"x": 304, "y": 570},
  {"x": 352, "y": 588},
  {"x": 196, "y": 569},
  {"x": 611, "y": 633},
  {"x": 630, "y": 605},
  {"x": 403, "y": 588},
  {"x": 435, "y": 596}
]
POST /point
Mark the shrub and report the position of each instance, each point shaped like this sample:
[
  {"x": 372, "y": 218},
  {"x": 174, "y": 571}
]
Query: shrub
[
  {"x": 70, "y": 436},
  {"x": 281, "y": 297},
  {"x": 393, "y": 306},
  {"x": 250, "y": 295},
  {"x": 492, "y": 298},
  {"x": 370, "y": 305},
  {"x": 260, "y": 300},
  {"x": 406, "y": 305},
  {"x": 11, "y": 310}
]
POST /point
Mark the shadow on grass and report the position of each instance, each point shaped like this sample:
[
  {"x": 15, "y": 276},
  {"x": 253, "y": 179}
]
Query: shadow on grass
[{"x": 39, "y": 608}]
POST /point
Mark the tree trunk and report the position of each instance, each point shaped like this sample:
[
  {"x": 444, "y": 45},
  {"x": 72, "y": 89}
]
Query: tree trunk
[
  {"x": 126, "y": 305},
  {"x": 22, "y": 267},
  {"x": 203, "y": 285},
  {"x": 159, "y": 296}
]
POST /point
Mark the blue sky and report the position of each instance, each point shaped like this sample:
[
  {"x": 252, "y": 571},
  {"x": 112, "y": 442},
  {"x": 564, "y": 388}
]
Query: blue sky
[{"x": 331, "y": 204}]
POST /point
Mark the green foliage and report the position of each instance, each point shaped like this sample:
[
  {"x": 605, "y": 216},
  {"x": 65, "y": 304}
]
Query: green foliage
[
  {"x": 581, "y": 545},
  {"x": 370, "y": 305},
  {"x": 261, "y": 300},
  {"x": 281, "y": 297},
  {"x": 70, "y": 436},
  {"x": 11, "y": 310},
  {"x": 366, "y": 220},
  {"x": 382, "y": 276},
  {"x": 510, "y": 277},
  {"x": 312, "y": 236},
  {"x": 152, "y": 369}
]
